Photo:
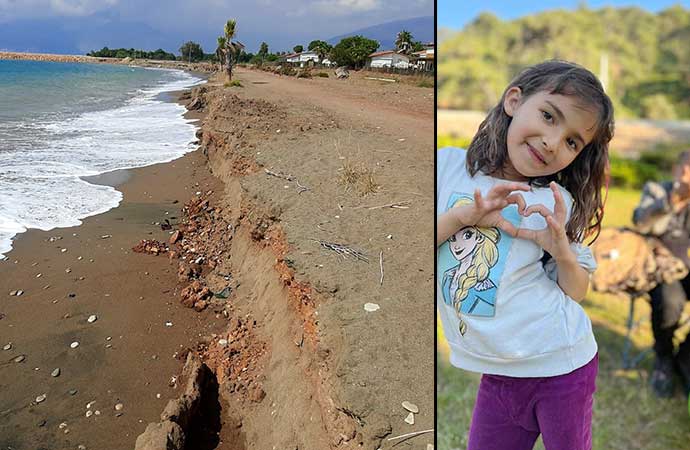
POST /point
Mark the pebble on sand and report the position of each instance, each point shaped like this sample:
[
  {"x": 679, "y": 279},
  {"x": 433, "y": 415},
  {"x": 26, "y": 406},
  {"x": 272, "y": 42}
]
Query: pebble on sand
[
  {"x": 92, "y": 318},
  {"x": 40, "y": 398},
  {"x": 19, "y": 358},
  {"x": 371, "y": 307},
  {"x": 410, "y": 418},
  {"x": 56, "y": 372},
  {"x": 63, "y": 250},
  {"x": 74, "y": 344},
  {"x": 411, "y": 407},
  {"x": 119, "y": 407},
  {"x": 7, "y": 346},
  {"x": 89, "y": 413}
]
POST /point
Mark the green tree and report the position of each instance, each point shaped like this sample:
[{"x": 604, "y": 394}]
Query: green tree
[
  {"x": 353, "y": 51},
  {"x": 232, "y": 49},
  {"x": 298, "y": 48},
  {"x": 220, "y": 51},
  {"x": 403, "y": 41},
  {"x": 263, "y": 50},
  {"x": 321, "y": 48},
  {"x": 191, "y": 51}
]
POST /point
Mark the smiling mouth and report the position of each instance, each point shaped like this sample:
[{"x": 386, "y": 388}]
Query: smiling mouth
[
  {"x": 458, "y": 252},
  {"x": 536, "y": 154}
]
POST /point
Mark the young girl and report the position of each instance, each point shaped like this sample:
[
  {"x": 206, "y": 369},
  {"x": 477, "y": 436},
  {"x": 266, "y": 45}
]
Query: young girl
[{"x": 534, "y": 172}]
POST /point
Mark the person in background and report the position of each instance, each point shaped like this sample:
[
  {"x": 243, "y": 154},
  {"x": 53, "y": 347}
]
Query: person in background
[{"x": 663, "y": 212}]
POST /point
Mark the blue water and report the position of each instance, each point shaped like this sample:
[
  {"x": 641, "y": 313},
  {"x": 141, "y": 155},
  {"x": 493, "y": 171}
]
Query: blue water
[{"x": 63, "y": 121}]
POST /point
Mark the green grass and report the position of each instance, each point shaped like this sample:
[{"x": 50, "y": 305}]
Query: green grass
[
  {"x": 626, "y": 414},
  {"x": 233, "y": 83}
]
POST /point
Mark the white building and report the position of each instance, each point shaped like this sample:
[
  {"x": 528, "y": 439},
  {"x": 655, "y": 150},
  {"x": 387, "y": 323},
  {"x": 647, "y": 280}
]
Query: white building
[
  {"x": 424, "y": 60},
  {"x": 389, "y": 58},
  {"x": 302, "y": 58}
]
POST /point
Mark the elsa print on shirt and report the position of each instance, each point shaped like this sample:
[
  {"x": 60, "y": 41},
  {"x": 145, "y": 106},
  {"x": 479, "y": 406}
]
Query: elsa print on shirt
[{"x": 467, "y": 286}]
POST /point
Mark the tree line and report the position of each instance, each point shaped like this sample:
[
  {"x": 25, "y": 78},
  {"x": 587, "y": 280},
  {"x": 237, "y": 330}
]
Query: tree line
[
  {"x": 646, "y": 55},
  {"x": 351, "y": 51}
]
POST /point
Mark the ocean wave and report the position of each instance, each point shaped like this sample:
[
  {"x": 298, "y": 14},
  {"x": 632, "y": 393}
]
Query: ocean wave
[{"x": 40, "y": 184}]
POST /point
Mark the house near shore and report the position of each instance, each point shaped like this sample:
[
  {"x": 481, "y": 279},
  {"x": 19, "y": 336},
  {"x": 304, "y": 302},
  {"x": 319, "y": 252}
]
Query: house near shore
[
  {"x": 303, "y": 58},
  {"x": 388, "y": 59},
  {"x": 424, "y": 59}
]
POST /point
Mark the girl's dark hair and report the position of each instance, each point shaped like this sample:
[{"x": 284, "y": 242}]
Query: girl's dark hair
[{"x": 585, "y": 176}]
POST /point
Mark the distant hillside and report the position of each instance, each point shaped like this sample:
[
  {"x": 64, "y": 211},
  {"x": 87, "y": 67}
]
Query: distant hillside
[
  {"x": 648, "y": 56},
  {"x": 422, "y": 29}
]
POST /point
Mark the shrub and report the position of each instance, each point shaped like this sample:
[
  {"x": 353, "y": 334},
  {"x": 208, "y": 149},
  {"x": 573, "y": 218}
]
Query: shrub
[
  {"x": 426, "y": 83},
  {"x": 233, "y": 83},
  {"x": 287, "y": 70},
  {"x": 633, "y": 174},
  {"x": 303, "y": 74},
  {"x": 453, "y": 141},
  {"x": 322, "y": 74}
]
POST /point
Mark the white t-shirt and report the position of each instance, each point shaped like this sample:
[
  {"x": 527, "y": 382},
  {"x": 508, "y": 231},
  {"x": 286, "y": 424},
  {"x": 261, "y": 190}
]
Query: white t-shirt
[{"x": 513, "y": 317}]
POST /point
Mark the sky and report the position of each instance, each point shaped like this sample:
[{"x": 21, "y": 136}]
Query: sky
[
  {"x": 281, "y": 23},
  {"x": 455, "y": 14}
]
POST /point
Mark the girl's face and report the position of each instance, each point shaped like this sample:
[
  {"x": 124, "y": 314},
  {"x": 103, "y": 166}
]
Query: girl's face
[
  {"x": 463, "y": 242},
  {"x": 546, "y": 133}
]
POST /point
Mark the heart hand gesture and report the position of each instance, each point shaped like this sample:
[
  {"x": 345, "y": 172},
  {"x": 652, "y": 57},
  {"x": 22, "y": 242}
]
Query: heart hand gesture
[
  {"x": 553, "y": 239},
  {"x": 486, "y": 211}
]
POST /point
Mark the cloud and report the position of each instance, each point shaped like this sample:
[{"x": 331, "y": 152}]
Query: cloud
[
  {"x": 80, "y": 7},
  {"x": 36, "y": 9},
  {"x": 346, "y": 7}
]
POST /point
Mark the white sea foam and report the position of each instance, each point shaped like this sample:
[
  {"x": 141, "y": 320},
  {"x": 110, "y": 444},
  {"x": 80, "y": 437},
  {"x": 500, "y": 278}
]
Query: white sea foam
[{"x": 41, "y": 187}]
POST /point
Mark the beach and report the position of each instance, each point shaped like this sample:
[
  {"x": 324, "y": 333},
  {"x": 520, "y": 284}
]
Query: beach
[{"x": 311, "y": 346}]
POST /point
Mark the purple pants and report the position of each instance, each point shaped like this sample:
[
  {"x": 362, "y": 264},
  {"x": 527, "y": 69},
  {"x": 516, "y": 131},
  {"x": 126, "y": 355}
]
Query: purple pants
[{"x": 511, "y": 412}]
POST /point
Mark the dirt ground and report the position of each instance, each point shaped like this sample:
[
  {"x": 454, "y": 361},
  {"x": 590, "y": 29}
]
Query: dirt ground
[
  {"x": 298, "y": 165},
  {"x": 323, "y": 134}
]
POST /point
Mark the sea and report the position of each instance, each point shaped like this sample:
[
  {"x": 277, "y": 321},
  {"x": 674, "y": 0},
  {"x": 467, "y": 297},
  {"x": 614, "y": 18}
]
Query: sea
[{"x": 60, "y": 122}]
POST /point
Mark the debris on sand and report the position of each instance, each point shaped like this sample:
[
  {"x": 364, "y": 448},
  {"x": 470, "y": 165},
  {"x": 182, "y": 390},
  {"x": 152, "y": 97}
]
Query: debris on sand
[
  {"x": 343, "y": 250},
  {"x": 151, "y": 247}
]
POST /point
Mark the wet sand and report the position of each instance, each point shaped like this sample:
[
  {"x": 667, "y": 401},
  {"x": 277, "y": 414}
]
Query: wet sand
[{"x": 129, "y": 354}]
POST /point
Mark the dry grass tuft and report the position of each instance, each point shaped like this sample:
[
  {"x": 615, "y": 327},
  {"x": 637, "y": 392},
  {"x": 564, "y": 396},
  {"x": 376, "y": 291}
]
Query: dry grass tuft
[{"x": 358, "y": 177}]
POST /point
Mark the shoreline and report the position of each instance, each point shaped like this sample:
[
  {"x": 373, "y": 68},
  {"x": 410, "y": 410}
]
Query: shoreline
[
  {"x": 200, "y": 67},
  {"x": 115, "y": 177},
  {"x": 289, "y": 331},
  {"x": 128, "y": 354}
]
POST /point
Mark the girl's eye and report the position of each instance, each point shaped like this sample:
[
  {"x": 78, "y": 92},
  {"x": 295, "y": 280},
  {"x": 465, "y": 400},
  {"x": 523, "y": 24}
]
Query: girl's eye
[
  {"x": 548, "y": 117},
  {"x": 572, "y": 144},
  {"x": 467, "y": 235},
  {"x": 452, "y": 238}
]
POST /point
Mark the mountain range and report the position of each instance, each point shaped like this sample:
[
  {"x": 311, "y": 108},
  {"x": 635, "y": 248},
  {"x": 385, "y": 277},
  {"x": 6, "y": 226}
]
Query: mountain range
[
  {"x": 422, "y": 29},
  {"x": 79, "y": 36}
]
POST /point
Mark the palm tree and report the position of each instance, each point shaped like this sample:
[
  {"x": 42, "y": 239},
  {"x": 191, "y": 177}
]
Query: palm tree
[
  {"x": 232, "y": 49},
  {"x": 220, "y": 51},
  {"x": 403, "y": 41}
]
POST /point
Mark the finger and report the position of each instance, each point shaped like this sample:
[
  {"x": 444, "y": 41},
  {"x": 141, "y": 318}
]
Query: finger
[
  {"x": 538, "y": 208},
  {"x": 559, "y": 209},
  {"x": 507, "y": 227},
  {"x": 557, "y": 229},
  {"x": 517, "y": 199},
  {"x": 501, "y": 190},
  {"x": 478, "y": 201},
  {"x": 524, "y": 233}
]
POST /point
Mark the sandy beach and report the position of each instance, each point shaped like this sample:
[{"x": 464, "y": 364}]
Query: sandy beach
[
  {"x": 310, "y": 348},
  {"x": 128, "y": 355}
]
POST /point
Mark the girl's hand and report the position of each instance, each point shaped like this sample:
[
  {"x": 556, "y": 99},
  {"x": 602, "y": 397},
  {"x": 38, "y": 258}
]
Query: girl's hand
[
  {"x": 486, "y": 211},
  {"x": 553, "y": 239}
]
